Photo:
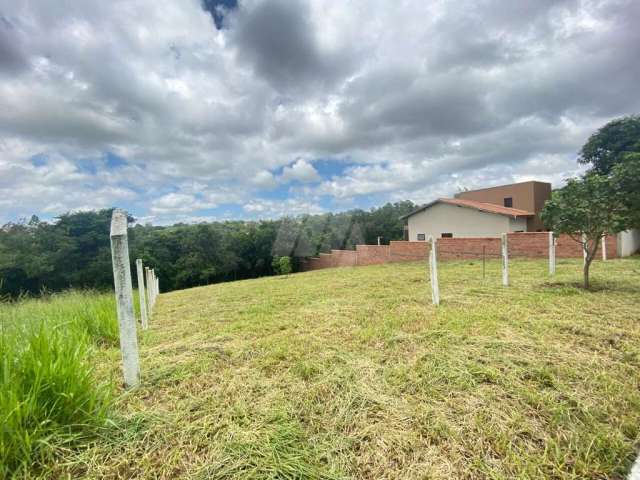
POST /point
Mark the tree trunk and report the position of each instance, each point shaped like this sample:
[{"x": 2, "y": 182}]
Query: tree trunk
[
  {"x": 590, "y": 256},
  {"x": 585, "y": 273}
]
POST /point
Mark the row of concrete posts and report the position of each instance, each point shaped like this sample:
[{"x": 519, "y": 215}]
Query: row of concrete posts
[
  {"x": 148, "y": 291},
  {"x": 504, "y": 251}
]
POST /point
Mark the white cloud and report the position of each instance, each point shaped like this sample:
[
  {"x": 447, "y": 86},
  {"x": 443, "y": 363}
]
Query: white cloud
[
  {"x": 301, "y": 171},
  {"x": 275, "y": 209},
  {"x": 398, "y": 89},
  {"x": 265, "y": 180}
]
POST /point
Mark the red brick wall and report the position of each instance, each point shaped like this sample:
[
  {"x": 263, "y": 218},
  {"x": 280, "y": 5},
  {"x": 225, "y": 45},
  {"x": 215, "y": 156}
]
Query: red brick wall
[
  {"x": 344, "y": 258},
  {"x": 401, "y": 251},
  {"x": 372, "y": 254},
  {"x": 528, "y": 244},
  {"x": 467, "y": 248},
  {"x": 536, "y": 245}
]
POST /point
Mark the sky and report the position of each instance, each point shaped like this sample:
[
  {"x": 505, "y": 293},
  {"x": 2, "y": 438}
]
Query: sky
[{"x": 188, "y": 111}]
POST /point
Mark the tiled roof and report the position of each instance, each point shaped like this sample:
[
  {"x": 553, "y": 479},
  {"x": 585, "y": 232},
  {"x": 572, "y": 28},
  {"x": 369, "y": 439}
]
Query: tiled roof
[{"x": 481, "y": 206}]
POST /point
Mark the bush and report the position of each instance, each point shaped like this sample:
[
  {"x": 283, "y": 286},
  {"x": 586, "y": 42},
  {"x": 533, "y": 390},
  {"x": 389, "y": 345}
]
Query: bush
[
  {"x": 281, "y": 265},
  {"x": 49, "y": 397}
]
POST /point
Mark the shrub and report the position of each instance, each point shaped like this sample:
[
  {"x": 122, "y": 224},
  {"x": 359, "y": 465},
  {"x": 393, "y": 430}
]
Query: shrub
[{"x": 49, "y": 397}]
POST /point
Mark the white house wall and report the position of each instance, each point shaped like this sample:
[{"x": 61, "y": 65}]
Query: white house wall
[
  {"x": 629, "y": 242},
  {"x": 461, "y": 222},
  {"x": 518, "y": 224}
]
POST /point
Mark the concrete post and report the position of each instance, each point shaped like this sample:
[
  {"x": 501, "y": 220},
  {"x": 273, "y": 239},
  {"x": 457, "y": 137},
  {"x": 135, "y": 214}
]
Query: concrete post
[
  {"x": 153, "y": 287},
  {"x": 433, "y": 272},
  {"x": 124, "y": 298},
  {"x": 155, "y": 284},
  {"x": 604, "y": 247},
  {"x": 147, "y": 277},
  {"x": 143, "y": 298},
  {"x": 552, "y": 254},
  {"x": 505, "y": 260}
]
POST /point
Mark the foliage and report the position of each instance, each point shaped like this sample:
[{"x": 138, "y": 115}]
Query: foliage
[
  {"x": 587, "y": 208},
  {"x": 612, "y": 144},
  {"x": 606, "y": 199},
  {"x": 74, "y": 251},
  {"x": 49, "y": 396},
  {"x": 625, "y": 179},
  {"x": 282, "y": 265}
]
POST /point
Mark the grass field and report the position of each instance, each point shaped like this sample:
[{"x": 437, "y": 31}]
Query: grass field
[{"x": 352, "y": 373}]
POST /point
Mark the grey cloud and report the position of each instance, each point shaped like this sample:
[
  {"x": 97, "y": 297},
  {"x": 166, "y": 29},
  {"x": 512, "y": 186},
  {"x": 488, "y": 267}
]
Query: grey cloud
[
  {"x": 13, "y": 58},
  {"x": 277, "y": 38},
  {"x": 422, "y": 96}
]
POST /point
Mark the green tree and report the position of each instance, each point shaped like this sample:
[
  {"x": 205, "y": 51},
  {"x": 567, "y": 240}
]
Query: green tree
[
  {"x": 284, "y": 265},
  {"x": 625, "y": 180},
  {"x": 612, "y": 144},
  {"x": 586, "y": 209}
]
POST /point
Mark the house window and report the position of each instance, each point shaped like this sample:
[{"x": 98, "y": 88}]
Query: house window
[
  {"x": 446, "y": 235},
  {"x": 421, "y": 236},
  {"x": 508, "y": 202}
]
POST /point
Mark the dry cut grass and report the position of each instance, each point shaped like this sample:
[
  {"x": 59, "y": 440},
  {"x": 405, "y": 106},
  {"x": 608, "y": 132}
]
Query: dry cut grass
[{"x": 352, "y": 373}]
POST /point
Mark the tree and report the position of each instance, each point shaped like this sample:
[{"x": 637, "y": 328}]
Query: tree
[
  {"x": 612, "y": 145},
  {"x": 625, "y": 180},
  {"x": 284, "y": 265},
  {"x": 607, "y": 198},
  {"x": 586, "y": 209},
  {"x": 281, "y": 265}
]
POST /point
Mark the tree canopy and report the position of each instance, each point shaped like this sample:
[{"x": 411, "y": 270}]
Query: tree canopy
[
  {"x": 74, "y": 250},
  {"x": 613, "y": 144},
  {"x": 606, "y": 199}
]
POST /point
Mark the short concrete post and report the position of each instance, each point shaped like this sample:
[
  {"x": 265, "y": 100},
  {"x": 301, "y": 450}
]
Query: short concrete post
[
  {"x": 147, "y": 276},
  {"x": 552, "y": 254},
  {"x": 143, "y": 298},
  {"x": 433, "y": 272},
  {"x": 124, "y": 298},
  {"x": 505, "y": 260},
  {"x": 153, "y": 286},
  {"x": 604, "y": 247}
]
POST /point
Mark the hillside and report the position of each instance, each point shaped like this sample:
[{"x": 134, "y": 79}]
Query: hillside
[{"x": 352, "y": 373}]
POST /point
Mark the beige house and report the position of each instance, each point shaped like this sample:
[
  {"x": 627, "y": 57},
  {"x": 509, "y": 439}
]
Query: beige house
[
  {"x": 530, "y": 196},
  {"x": 454, "y": 217},
  {"x": 485, "y": 212}
]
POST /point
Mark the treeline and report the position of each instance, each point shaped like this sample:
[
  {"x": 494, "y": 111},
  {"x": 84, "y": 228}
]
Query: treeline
[{"x": 74, "y": 250}]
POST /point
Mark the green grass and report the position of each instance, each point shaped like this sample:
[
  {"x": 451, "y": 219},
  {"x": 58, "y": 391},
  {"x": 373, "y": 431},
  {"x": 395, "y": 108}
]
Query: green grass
[
  {"x": 352, "y": 373},
  {"x": 50, "y": 399}
]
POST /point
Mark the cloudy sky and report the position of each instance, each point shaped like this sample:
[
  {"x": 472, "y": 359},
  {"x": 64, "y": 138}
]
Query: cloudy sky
[{"x": 183, "y": 110}]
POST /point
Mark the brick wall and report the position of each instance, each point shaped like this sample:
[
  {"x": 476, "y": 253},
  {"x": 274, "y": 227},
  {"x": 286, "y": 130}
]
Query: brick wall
[
  {"x": 372, "y": 254},
  {"x": 344, "y": 258},
  {"x": 528, "y": 244},
  {"x": 467, "y": 248},
  {"x": 536, "y": 245},
  {"x": 401, "y": 251}
]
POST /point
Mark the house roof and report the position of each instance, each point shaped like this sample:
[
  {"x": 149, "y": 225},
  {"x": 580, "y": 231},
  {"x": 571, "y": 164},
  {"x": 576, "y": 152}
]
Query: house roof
[{"x": 480, "y": 206}]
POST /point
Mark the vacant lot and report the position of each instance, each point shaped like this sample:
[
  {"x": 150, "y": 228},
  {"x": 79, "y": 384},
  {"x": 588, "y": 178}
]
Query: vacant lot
[{"x": 352, "y": 373}]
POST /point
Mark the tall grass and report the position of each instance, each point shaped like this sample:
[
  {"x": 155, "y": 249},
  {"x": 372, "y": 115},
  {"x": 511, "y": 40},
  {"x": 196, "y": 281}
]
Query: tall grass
[{"x": 49, "y": 397}]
